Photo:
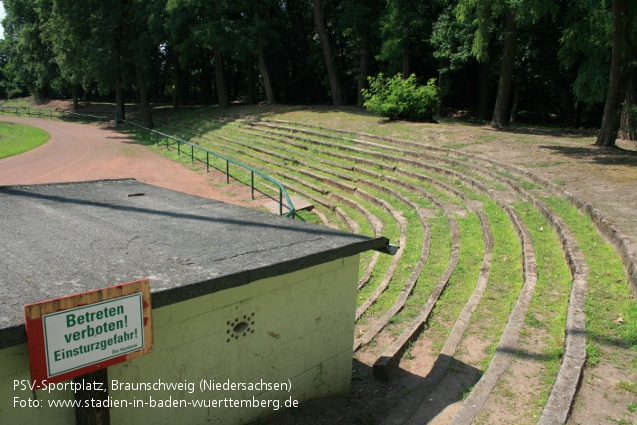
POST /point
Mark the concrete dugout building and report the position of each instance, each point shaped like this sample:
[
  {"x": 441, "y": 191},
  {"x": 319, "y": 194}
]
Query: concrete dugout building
[{"x": 238, "y": 296}]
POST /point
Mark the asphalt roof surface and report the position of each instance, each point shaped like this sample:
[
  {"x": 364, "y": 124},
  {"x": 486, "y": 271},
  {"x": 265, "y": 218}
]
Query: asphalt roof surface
[{"x": 60, "y": 239}]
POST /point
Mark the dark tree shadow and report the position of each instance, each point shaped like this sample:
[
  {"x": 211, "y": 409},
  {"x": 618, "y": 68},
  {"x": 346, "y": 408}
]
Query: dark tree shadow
[
  {"x": 603, "y": 156},
  {"x": 370, "y": 401}
]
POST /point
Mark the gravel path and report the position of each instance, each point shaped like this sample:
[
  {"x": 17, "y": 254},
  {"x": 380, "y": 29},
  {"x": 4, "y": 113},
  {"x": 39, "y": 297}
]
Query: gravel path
[{"x": 79, "y": 152}]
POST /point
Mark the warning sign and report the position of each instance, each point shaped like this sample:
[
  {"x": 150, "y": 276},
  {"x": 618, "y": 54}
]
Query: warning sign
[
  {"x": 71, "y": 336},
  {"x": 85, "y": 335}
]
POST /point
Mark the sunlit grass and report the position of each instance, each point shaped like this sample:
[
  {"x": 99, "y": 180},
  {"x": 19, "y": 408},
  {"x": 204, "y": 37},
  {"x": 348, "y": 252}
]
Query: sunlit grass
[
  {"x": 18, "y": 138},
  {"x": 611, "y": 311}
]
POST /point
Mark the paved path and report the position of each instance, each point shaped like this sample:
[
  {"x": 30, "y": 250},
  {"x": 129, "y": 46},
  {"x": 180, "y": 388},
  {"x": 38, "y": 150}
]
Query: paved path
[{"x": 79, "y": 152}]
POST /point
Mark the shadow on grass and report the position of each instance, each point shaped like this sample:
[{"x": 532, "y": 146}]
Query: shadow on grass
[
  {"x": 603, "y": 156},
  {"x": 571, "y": 133}
]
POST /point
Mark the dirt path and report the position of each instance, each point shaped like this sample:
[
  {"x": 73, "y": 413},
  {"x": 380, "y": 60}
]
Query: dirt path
[{"x": 79, "y": 152}]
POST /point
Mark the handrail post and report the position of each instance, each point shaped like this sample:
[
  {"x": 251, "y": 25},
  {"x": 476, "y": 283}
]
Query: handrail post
[{"x": 126, "y": 124}]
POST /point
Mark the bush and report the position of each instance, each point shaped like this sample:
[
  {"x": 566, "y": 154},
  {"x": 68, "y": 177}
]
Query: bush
[{"x": 396, "y": 98}]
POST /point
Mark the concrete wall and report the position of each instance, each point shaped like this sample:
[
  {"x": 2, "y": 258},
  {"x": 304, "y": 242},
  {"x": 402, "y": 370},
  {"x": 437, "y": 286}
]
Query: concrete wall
[{"x": 302, "y": 334}]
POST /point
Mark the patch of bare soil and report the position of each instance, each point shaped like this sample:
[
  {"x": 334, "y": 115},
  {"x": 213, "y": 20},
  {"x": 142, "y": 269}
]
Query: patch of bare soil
[
  {"x": 606, "y": 396},
  {"x": 519, "y": 388}
]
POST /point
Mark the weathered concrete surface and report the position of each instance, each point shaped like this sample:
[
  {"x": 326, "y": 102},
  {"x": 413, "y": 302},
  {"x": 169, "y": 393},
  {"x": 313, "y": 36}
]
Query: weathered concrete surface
[{"x": 61, "y": 239}]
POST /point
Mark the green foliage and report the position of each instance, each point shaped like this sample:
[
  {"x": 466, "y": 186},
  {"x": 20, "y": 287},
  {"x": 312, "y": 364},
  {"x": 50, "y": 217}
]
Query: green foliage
[
  {"x": 452, "y": 41},
  {"x": 396, "y": 98},
  {"x": 484, "y": 16},
  {"x": 405, "y": 27},
  {"x": 586, "y": 48}
]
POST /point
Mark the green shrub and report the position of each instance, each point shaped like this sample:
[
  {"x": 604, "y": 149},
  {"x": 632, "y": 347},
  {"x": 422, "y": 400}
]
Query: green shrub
[{"x": 396, "y": 98}]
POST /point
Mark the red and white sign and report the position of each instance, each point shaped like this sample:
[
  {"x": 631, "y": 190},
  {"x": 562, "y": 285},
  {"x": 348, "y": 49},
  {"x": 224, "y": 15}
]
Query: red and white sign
[{"x": 71, "y": 336}]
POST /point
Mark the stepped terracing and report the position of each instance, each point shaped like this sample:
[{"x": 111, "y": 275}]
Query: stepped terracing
[{"x": 485, "y": 313}]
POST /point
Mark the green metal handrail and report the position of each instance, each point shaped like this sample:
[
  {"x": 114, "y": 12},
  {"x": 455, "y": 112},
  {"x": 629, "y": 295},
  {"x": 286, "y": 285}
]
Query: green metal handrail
[
  {"x": 20, "y": 111},
  {"x": 158, "y": 134}
]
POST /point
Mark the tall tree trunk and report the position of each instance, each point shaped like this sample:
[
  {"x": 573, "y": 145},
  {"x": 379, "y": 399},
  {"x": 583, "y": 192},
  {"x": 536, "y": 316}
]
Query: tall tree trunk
[
  {"x": 263, "y": 69},
  {"x": 76, "y": 103},
  {"x": 119, "y": 98},
  {"x": 335, "y": 85},
  {"x": 569, "y": 114},
  {"x": 619, "y": 74},
  {"x": 184, "y": 87},
  {"x": 628, "y": 123},
  {"x": 484, "y": 99},
  {"x": 207, "y": 71},
  {"x": 232, "y": 80},
  {"x": 405, "y": 71},
  {"x": 220, "y": 78},
  {"x": 252, "y": 96},
  {"x": 142, "y": 90},
  {"x": 143, "y": 97},
  {"x": 441, "y": 88},
  {"x": 577, "y": 114},
  {"x": 362, "y": 75},
  {"x": 500, "y": 112},
  {"x": 177, "y": 82},
  {"x": 516, "y": 95}
]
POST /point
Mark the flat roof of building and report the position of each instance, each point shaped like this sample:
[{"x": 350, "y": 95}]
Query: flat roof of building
[{"x": 60, "y": 239}]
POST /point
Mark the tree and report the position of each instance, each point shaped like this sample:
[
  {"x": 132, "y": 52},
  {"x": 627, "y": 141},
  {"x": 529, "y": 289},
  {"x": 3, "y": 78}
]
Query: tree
[
  {"x": 181, "y": 49},
  {"x": 406, "y": 27},
  {"x": 211, "y": 33},
  {"x": 335, "y": 84},
  {"x": 263, "y": 35},
  {"x": 68, "y": 38},
  {"x": 622, "y": 69},
  {"x": 253, "y": 35},
  {"x": 143, "y": 46},
  {"x": 485, "y": 15},
  {"x": 359, "y": 22},
  {"x": 31, "y": 62},
  {"x": 452, "y": 47}
]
